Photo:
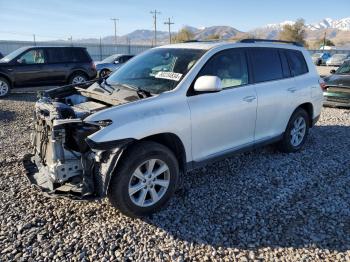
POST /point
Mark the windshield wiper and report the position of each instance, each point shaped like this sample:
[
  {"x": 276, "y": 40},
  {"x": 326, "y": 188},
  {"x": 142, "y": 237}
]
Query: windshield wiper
[{"x": 139, "y": 91}]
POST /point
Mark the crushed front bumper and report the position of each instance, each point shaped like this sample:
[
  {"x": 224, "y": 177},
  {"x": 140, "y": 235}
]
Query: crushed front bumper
[{"x": 39, "y": 177}]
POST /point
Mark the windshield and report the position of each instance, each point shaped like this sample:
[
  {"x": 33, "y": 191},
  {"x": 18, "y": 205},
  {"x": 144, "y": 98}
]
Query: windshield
[
  {"x": 157, "y": 70},
  {"x": 110, "y": 59},
  {"x": 12, "y": 55},
  {"x": 316, "y": 54},
  {"x": 344, "y": 68}
]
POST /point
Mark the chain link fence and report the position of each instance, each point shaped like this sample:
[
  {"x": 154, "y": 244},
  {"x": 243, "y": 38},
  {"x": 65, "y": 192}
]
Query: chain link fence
[{"x": 97, "y": 51}]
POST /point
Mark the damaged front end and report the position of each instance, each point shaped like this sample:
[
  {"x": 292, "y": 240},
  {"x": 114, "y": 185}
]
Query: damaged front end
[{"x": 63, "y": 160}]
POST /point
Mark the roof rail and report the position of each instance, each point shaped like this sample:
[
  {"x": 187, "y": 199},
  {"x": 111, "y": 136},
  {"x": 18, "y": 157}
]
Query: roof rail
[{"x": 253, "y": 40}]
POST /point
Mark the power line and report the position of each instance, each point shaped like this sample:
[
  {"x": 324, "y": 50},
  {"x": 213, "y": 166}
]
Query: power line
[
  {"x": 115, "y": 29},
  {"x": 154, "y": 13},
  {"x": 169, "y": 23}
]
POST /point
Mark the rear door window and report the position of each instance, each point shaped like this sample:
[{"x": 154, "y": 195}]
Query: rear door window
[
  {"x": 59, "y": 55},
  {"x": 230, "y": 66},
  {"x": 297, "y": 62},
  {"x": 266, "y": 64}
]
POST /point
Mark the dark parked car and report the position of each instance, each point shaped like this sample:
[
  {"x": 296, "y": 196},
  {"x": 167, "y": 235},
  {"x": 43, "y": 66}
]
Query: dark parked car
[
  {"x": 111, "y": 64},
  {"x": 30, "y": 66},
  {"x": 1, "y": 56},
  {"x": 337, "y": 86}
]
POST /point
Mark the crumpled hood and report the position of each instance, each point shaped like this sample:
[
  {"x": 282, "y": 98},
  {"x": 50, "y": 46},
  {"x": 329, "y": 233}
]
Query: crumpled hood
[{"x": 338, "y": 80}]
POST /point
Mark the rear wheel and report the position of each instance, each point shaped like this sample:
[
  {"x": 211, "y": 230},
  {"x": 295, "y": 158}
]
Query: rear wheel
[
  {"x": 78, "y": 78},
  {"x": 296, "y": 132},
  {"x": 4, "y": 87},
  {"x": 144, "y": 180}
]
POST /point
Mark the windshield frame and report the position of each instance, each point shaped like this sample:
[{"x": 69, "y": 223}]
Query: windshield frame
[
  {"x": 14, "y": 54},
  {"x": 193, "y": 54}
]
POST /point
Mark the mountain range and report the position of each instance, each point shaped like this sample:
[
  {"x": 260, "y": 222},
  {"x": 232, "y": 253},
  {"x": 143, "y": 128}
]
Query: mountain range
[{"x": 336, "y": 30}]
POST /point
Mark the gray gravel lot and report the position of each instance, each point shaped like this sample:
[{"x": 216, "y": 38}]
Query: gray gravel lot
[{"x": 261, "y": 205}]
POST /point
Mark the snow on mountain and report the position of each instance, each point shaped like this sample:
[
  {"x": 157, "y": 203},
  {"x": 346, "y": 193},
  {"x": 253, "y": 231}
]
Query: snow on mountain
[{"x": 326, "y": 23}]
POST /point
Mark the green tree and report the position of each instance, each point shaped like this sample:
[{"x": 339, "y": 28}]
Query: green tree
[
  {"x": 182, "y": 36},
  {"x": 295, "y": 32}
]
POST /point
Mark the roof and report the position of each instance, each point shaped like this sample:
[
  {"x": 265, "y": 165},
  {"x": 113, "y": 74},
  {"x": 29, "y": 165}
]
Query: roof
[
  {"x": 212, "y": 44},
  {"x": 196, "y": 45},
  {"x": 44, "y": 46}
]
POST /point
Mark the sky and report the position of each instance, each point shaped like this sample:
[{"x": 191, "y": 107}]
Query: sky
[{"x": 61, "y": 19}]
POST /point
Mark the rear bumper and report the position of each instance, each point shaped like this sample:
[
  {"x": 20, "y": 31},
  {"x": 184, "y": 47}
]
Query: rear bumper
[{"x": 336, "y": 100}]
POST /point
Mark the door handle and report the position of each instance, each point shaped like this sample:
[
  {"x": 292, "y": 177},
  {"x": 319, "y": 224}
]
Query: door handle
[
  {"x": 9, "y": 69},
  {"x": 292, "y": 89},
  {"x": 249, "y": 99}
]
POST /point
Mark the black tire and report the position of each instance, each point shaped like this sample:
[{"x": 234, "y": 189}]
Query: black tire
[
  {"x": 104, "y": 73},
  {"x": 118, "y": 191},
  {"x": 77, "y": 75},
  {"x": 5, "y": 87},
  {"x": 285, "y": 145}
]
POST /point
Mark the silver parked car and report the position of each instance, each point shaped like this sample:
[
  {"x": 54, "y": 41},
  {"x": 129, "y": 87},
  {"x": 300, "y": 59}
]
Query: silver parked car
[
  {"x": 337, "y": 59},
  {"x": 173, "y": 108},
  {"x": 111, "y": 64}
]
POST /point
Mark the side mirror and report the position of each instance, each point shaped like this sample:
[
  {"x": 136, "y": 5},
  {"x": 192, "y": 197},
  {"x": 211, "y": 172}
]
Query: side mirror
[
  {"x": 208, "y": 84},
  {"x": 21, "y": 61},
  {"x": 332, "y": 71},
  {"x": 116, "y": 62}
]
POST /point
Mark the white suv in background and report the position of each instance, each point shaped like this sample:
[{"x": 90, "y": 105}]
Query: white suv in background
[{"x": 169, "y": 110}]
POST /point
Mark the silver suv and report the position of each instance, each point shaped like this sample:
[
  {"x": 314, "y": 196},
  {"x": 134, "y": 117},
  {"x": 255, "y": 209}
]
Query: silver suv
[{"x": 171, "y": 109}]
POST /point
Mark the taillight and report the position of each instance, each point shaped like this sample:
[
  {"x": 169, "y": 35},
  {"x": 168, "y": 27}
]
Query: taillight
[
  {"x": 322, "y": 84},
  {"x": 93, "y": 66}
]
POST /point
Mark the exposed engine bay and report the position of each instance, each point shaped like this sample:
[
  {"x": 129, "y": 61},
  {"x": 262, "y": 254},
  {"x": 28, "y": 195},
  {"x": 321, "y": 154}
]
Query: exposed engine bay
[{"x": 61, "y": 160}]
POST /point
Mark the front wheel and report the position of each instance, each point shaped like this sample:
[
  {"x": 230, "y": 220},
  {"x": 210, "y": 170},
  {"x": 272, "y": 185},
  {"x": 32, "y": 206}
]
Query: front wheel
[
  {"x": 296, "y": 132},
  {"x": 104, "y": 73},
  {"x": 144, "y": 180}
]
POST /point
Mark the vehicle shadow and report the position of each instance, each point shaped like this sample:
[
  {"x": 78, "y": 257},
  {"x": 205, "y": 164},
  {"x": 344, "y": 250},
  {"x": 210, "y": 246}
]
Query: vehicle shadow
[
  {"x": 25, "y": 97},
  {"x": 268, "y": 199},
  {"x": 7, "y": 115}
]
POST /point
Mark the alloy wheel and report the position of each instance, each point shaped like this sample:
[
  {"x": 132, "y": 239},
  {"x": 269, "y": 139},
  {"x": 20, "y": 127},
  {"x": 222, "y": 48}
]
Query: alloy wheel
[
  {"x": 149, "y": 182},
  {"x": 4, "y": 88},
  {"x": 298, "y": 131},
  {"x": 78, "y": 79}
]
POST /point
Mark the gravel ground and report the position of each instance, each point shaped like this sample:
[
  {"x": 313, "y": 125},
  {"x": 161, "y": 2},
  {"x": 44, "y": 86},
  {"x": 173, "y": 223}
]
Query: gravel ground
[{"x": 261, "y": 205}]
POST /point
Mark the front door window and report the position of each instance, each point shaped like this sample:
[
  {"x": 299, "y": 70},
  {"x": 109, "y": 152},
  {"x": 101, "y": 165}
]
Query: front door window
[{"x": 35, "y": 56}]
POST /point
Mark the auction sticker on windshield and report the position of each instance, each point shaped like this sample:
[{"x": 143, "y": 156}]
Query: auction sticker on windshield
[{"x": 168, "y": 75}]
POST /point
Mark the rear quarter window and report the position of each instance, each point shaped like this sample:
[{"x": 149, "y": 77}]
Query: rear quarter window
[
  {"x": 297, "y": 63},
  {"x": 80, "y": 55}
]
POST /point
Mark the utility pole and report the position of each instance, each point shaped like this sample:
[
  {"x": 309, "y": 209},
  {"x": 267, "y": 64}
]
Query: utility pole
[
  {"x": 115, "y": 29},
  {"x": 154, "y": 13},
  {"x": 71, "y": 40},
  {"x": 100, "y": 48},
  {"x": 169, "y": 23},
  {"x": 324, "y": 39},
  {"x": 34, "y": 40}
]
